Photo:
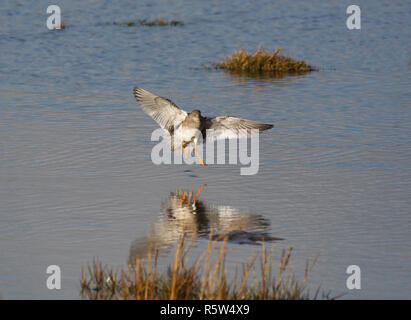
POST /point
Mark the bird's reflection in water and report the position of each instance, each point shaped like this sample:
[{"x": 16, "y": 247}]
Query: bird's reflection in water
[{"x": 183, "y": 213}]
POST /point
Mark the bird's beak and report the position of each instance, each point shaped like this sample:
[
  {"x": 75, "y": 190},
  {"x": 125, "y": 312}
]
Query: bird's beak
[{"x": 198, "y": 118}]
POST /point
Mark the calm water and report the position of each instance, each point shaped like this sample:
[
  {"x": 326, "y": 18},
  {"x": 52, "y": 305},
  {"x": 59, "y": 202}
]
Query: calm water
[{"x": 76, "y": 179}]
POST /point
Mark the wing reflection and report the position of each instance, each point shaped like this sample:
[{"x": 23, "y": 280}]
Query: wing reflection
[{"x": 183, "y": 213}]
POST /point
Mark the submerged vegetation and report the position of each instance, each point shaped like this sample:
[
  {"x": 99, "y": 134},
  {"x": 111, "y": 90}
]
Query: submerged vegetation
[
  {"x": 160, "y": 22},
  {"x": 205, "y": 278},
  {"x": 263, "y": 62}
]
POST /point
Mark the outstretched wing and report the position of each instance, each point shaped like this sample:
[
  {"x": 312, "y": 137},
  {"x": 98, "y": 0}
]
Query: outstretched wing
[
  {"x": 231, "y": 127},
  {"x": 164, "y": 111}
]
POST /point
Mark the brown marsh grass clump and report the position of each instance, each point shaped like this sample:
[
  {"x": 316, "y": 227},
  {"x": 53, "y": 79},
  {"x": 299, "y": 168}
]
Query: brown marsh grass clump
[
  {"x": 262, "y": 61},
  {"x": 206, "y": 278}
]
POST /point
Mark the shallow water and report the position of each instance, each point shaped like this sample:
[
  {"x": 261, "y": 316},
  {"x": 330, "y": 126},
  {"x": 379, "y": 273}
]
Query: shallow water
[{"x": 76, "y": 179}]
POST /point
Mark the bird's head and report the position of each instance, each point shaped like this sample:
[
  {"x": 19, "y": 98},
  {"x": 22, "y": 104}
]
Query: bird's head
[{"x": 195, "y": 115}]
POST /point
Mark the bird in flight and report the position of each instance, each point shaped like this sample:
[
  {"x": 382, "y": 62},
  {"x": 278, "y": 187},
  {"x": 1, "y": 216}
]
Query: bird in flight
[{"x": 186, "y": 128}]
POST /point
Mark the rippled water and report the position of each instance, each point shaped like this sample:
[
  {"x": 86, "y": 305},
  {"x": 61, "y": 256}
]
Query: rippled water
[{"x": 76, "y": 179}]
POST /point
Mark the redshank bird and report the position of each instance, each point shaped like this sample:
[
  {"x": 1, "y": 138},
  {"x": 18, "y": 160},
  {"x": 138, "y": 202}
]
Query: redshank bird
[{"x": 184, "y": 127}]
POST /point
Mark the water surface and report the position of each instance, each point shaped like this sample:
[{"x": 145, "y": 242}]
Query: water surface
[{"x": 76, "y": 178}]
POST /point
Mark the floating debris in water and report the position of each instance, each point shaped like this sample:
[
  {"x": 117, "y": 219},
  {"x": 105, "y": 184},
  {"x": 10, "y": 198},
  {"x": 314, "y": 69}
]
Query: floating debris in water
[{"x": 62, "y": 26}]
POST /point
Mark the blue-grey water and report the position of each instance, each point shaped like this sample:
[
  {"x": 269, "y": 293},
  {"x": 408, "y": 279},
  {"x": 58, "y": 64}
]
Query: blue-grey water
[{"x": 76, "y": 178}]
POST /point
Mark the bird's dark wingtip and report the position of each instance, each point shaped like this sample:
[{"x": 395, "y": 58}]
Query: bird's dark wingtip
[
  {"x": 267, "y": 126},
  {"x": 137, "y": 93}
]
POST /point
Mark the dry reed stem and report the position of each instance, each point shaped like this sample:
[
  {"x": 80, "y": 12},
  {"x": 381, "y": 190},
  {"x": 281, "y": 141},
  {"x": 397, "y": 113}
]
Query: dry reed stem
[{"x": 204, "y": 279}]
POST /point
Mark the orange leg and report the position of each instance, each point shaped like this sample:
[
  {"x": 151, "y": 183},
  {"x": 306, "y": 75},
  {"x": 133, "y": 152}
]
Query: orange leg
[
  {"x": 200, "y": 188},
  {"x": 185, "y": 151},
  {"x": 201, "y": 160},
  {"x": 183, "y": 197}
]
